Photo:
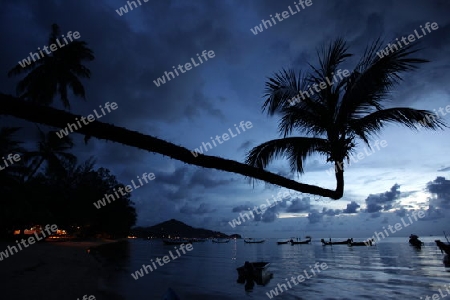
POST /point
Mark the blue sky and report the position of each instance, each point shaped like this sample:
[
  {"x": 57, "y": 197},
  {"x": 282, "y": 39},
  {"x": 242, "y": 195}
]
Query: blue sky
[{"x": 133, "y": 50}]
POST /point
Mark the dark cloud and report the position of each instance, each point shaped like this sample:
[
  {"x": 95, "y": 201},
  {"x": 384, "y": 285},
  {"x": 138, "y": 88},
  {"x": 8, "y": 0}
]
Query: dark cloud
[
  {"x": 242, "y": 207},
  {"x": 440, "y": 193},
  {"x": 439, "y": 186},
  {"x": 204, "y": 177},
  {"x": 382, "y": 201},
  {"x": 315, "y": 216},
  {"x": 375, "y": 215},
  {"x": 299, "y": 205},
  {"x": 245, "y": 146},
  {"x": 401, "y": 212},
  {"x": 269, "y": 215},
  {"x": 176, "y": 177},
  {"x": 331, "y": 212},
  {"x": 202, "y": 209},
  {"x": 388, "y": 206},
  {"x": 178, "y": 195},
  {"x": 201, "y": 104},
  {"x": 433, "y": 213},
  {"x": 351, "y": 208},
  {"x": 373, "y": 207}
]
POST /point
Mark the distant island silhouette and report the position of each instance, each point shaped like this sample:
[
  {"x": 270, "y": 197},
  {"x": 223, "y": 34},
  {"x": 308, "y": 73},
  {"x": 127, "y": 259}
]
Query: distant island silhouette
[{"x": 175, "y": 228}]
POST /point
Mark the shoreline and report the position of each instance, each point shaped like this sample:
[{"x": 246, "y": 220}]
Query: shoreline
[{"x": 57, "y": 270}]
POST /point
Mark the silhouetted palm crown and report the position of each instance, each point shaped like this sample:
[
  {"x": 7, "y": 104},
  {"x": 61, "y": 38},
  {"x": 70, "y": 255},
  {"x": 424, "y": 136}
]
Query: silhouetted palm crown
[
  {"x": 333, "y": 118},
  {"x": 54, "y": 151},
  {"x": 55, "y": 73}
]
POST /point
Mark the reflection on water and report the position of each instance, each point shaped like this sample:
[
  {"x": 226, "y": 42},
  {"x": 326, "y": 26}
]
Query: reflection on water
[
  {"x": 391, "y": 270},
  {"x": 254, "y": 272},
  {"x": 234, "y": 249}
]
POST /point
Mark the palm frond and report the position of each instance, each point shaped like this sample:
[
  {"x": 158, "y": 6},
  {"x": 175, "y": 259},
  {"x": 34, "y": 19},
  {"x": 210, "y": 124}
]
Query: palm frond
[
  {"x": 76, "y": 86},
  {"x": 296, "y": 150},
  {"x": 55, "y": 73},
  {"x": 408, "y": 117},
  {"x": 8, "y": 144},
  {"x": 330, "y": 58},
  {"x": 373, "y": 80},
  {"x": 62, "y": 90},
  {"x": 308, "y": 117},
  {"x": 281, "y": 88}
]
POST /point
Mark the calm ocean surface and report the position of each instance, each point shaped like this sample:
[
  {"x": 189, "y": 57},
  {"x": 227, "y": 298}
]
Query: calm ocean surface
[{"x": 391, "y": 270}]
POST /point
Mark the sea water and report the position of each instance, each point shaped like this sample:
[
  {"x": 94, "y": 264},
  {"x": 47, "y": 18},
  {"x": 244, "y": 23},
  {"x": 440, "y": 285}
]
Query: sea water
[{"x": 390, "y": 270}]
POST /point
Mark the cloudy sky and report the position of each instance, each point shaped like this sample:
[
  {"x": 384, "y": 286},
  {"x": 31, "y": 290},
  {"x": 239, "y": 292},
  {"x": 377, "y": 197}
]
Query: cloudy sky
[{"x": 131, "y": 51}]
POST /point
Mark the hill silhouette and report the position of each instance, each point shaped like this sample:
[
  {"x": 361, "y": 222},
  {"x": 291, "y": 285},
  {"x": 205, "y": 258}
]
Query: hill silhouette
[{"x": 175, "y": 228}]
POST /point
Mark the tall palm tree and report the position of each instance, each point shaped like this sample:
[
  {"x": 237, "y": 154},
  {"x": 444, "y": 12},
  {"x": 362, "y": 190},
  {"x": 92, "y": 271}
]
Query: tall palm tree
[
  {"x": 335, "y": 116},
  {"x": 53, "y": 150},
  {"x": 55, "y": 73}
]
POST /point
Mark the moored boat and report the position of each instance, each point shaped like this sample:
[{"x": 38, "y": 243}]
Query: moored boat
[
  {"x": 283, "y": 242},
  {"x": 330, "y": 243},
  {"x": 254, "y": 268},
  {"x": 197, "y": 240},
  {"x": 446, "y": 260},
  {"x": 200, "y": 240},
  {"x": 444, "y": 247},
  {"x": 220, "y": 241},
  {"x": 254, "y": 241},
  {"x": 298, "y": 242},
  {"x": 254, "y": 272},
  {"x": 175, "y": 241},
  {"x": 414, "y": 241},
  {"x": 367, "y": 243}
]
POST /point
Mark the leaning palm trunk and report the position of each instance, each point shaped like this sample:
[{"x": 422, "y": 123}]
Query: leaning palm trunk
[{"x": 12, "y": 106}]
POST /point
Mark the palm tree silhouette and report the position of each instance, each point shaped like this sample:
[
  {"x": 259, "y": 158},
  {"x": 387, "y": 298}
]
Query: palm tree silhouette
[
  {"x": 335, "y": 116},
  {"x": 53, "y": 150},
  {"x": 8, "y": 144},
  {"x": 55, "y": 73}
]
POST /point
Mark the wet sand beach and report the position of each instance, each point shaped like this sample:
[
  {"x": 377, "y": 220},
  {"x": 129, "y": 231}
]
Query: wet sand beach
[{"x": 55, "y": 271}]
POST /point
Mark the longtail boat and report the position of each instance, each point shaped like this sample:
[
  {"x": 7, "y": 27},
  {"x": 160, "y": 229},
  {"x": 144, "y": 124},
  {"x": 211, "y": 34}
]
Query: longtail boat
[
  {"x": 414, "y": 241},
  {"x": 220, "y": 241},
  {"x": 330, "y": 243},
  {"x": 443, "y": 247},
  {"x": 175, "y": 241},
  {"x": 367, "y": 243},
  {"x": 283, "y": 242},
  {"x": 254, "y": 241},
  {"x": 297, "y": 242}
]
